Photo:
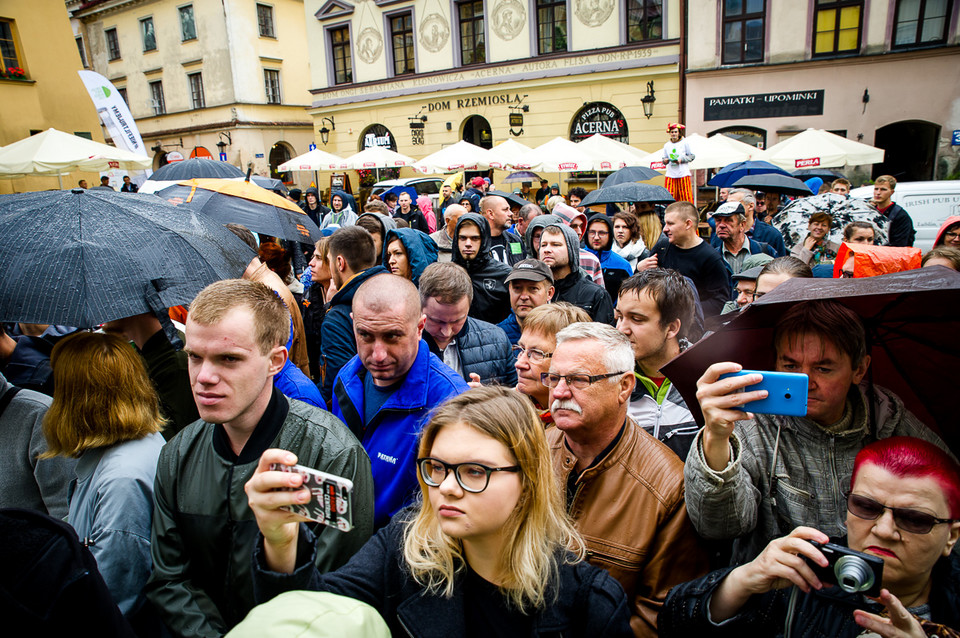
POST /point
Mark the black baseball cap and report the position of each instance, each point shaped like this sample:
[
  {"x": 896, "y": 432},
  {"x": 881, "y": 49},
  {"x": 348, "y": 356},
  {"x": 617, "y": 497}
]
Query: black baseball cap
[{"x": 530, "y": 270}]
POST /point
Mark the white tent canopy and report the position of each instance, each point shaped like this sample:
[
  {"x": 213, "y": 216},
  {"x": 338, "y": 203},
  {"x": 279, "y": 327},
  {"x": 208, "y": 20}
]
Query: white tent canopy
[
  {"x": 709, "y": 152},
  {"x": 375, "y": 157},
  {"x": 54, "y": 152},
  {"x": 315, "y": 160},
  {"x": 816, "y": 148},
  {"x": 506, "y": 153},
  {"x": 457, "y": 157},
  {"x": 561, "y": 155},
  {"x": 618, "y": 154}
]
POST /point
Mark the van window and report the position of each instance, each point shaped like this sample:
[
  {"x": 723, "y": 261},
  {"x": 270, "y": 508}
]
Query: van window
[
  {"x": 431, "y": 187},
  {"x": 931, "y": 210}
]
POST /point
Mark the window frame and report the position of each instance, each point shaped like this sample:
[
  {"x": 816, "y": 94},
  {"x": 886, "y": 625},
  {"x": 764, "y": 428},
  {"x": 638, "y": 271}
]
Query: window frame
[
  {"x": 412, "y": 60},
  {"x": 143, "y": 36},
  {"x": 919, "y": 31},
  {"x": 348, "y": 57},
  {"x": 195, "y": 101},
  {"x": 14, "y": 45},
  {"x": 743, "y": 17},
  {"x": 193, "y": 15},
  {"x": 122, "y": 90},
  {"x": 626, "y": 21},
  {"x": 260, "y": 23},
  {"x": 551, "y": 6},
  {"x": 267, "y": 74},
  {"x": 161, "y": 107},
  {"x": 838, "y": 6},
  {"x": 115, "y": 42},
  {"x": 82, "y": 49},
  {"x": 477, "y": 18}
]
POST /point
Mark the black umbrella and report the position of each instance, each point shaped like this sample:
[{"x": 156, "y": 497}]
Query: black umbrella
[
  {"x": 630, "y": 174},
  {"x": 912, "y": 326},
  {"x": 512, "y": 198},
  {"x": 195, "y": 167},
  {"x": 773, "y": 183},
  {"x": 730, "y": 173},
  {"x": 629, "y": 192},
  {"x": 270, "y": 183},
  {"x": 80, "y": 258},
  {"x": 803, "y": 174}
]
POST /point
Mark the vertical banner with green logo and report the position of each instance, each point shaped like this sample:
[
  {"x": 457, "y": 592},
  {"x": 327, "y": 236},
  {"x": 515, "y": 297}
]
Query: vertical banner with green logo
[{"x": 113, "y": 112}]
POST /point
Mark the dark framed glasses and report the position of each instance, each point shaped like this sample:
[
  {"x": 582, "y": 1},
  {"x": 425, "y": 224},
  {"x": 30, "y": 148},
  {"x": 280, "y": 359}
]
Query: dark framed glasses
[
  {"x": 909, "y": 520},
  {"x": 578, "y": 381},
  {"x": 472, "y": 477}
]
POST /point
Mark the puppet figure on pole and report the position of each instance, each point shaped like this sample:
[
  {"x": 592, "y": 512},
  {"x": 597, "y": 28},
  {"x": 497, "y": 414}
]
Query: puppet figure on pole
[{"x": 677, "y": 157}]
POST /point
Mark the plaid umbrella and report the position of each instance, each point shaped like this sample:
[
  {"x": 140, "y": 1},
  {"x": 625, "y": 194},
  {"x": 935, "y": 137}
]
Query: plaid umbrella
[{"x": 80, "y": 258}]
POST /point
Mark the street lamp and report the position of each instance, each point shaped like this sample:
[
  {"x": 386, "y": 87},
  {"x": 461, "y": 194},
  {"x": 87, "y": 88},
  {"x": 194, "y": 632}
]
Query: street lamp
[
  {"x": 648, "y": 100},
  {"x": 324, "y": 131}
]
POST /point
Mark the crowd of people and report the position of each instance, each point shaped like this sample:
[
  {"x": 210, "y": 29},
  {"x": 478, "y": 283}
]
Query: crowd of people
[{"x": 488, "y": 373}]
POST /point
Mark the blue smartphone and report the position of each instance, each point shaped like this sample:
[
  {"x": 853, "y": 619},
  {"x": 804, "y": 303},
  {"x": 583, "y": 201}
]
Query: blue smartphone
[{"x": 786, "y": 393}]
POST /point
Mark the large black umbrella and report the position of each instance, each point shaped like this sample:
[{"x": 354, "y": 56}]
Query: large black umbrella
[
  {"x": 730, "y": 173},
  {"x": 774, "y": 183},
  {"x": 629, "y": 192},
  {"x": 825, "y": 174},
  {"x": 912, "y": 326},
  {"x": 270, "y": 183},
  {"x": 195, "y": 167},
  {"x": 630, "y": 174},
  {"x": 80, "y": 258},
  {"x": 512, "y": 198}
]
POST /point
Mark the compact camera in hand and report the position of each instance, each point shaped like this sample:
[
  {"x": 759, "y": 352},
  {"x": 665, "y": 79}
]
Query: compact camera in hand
[{"x": 849, "y": 569}]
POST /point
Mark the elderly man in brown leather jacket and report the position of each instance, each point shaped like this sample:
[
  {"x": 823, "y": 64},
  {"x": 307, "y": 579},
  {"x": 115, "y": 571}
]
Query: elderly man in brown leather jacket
[{"x": 624, "y": 489}]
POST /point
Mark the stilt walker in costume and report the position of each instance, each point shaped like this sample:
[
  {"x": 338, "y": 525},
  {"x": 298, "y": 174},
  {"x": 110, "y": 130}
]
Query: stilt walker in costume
[{"x": 677, "y": 156}]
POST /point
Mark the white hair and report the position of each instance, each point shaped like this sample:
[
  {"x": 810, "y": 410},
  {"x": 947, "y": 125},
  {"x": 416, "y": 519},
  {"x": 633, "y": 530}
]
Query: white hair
[
  {"x": 748, "y": 196},
  {"x": 617, "y": 351}
]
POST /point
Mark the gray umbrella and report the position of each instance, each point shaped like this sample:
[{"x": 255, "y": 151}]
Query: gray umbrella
[
  {"x": 629, "y": 174},
  {"x": 80, "y": 258},
  {"x": 773, "y": 183},
  {"x": 629, "y": 192},
  {"x": 193, "y": 168}
]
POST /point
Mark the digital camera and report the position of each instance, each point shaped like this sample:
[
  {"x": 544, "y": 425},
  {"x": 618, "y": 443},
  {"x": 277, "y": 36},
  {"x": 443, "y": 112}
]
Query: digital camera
[{"x": 849, "y": 569}]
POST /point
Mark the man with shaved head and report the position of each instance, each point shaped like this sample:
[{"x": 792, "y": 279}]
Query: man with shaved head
[{"x": 386, "y": 391}]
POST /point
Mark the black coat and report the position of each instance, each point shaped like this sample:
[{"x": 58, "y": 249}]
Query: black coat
[
  {"x": 484, "y": 350},
  {"x": 491, "y": 298},
  {"x": 590, "y": 602},
  {"x": 901, "y": 230}
]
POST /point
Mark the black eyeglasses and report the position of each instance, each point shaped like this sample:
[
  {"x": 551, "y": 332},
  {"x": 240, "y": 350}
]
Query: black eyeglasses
[
  {"x": 909, "y": 520},
  {"x": 472, "y": 477},
  {"x": 533, "y": 354},
  {"x": 578, "y": 381}
]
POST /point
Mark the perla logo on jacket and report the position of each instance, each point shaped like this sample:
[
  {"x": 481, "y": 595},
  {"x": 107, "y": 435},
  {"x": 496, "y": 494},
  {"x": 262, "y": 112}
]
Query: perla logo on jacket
[{"x": 388, "y": 459}]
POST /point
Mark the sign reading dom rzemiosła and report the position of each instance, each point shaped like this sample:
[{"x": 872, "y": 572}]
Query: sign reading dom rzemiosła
[{"x": 741, "y": 107}]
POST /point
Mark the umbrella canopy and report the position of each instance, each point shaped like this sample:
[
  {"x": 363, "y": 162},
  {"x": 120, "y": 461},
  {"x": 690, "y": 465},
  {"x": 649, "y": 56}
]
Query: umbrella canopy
[
  {"x": 260, "y": 210},
  {"x": 195, "y": 167},
  {"x": 561, "y": 155},
  {"x": 825, "y": 174},
  {"x": 628, "y": 175},
  {"x": 818, "y": 148},
  {"x": 617, "y": 153},
  {"x": 457, "y": 157},
  {"x": 629, "y": 192},
  {"x": 793, "y": 220},
  {"x": 375, "y": 157},
  {"x": 911, "y": 326},
  {"x": 520, "y": 176},
  {"x": 709, "y": 152},
  {"x": 315, "y": 160},
  {"x": 54, "y": 152},
  {"x": 507, "y": 153},
  {"x": 512, "y": 198},
  {"x": 80, "y": 258},
  {"x": 774, "y": 183},
  {"x": 730, "y": 173},
  {"x": 396, "y": 190},
  {"x": 270, "y": 183}
]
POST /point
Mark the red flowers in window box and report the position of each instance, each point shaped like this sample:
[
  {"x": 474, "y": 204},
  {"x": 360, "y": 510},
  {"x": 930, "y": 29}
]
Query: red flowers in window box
[{"x": 15, "y": 73}]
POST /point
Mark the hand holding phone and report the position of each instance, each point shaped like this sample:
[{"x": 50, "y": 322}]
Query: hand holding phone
[
  {"x": 330, "y": 497},
  {"x": 786, "y": 392}
]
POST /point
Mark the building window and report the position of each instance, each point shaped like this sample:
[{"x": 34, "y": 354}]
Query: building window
[
  {"x": 836, "y": 27},
  {"x": 82, "y": 51},
  {"x": 122, "y": 90},
  {"x": 188, "y": 26},
  {"x": 473, "y": 49},
  {"x": 271, "y": 82},
  {"x": 196, "y": 90},
  {"x": 921, "y": 22},
  {"x": 8, "y": 46},
  {"x": 342, "y": 62},
  {"x": 113, "y": 44},
  {"x": 644, "y": 20},
  {"x": 743, "y": 31},
  {"x": 551, "y": 26},
  {"x": 156, "y": 95},
  {"x": 265, "y": 21},
  {"x": 401, "y": 34},
  {"x": 148, "y": 35}
]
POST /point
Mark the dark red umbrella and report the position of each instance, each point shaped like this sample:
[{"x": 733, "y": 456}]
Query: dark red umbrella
[{"x": 912, "y": 324}]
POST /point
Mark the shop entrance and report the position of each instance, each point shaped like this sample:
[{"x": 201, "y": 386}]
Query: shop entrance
[
  {"x": 911, "y": 150},
  {"x": 280, "y": 153},
  {"x": 476, "y": 130}
]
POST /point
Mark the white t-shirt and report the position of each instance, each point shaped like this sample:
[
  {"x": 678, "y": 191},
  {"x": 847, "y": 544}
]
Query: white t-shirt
[{"x": 679, "y": 149}]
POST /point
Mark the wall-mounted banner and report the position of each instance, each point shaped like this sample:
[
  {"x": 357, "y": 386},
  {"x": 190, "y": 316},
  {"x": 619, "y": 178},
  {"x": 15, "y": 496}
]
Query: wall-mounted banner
[
  {"x": 742, "y": 107},
  {"x": 602, "y": 118}
]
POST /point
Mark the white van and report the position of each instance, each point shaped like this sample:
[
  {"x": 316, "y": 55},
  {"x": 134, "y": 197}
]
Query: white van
[{"x": 928, "y": 203}]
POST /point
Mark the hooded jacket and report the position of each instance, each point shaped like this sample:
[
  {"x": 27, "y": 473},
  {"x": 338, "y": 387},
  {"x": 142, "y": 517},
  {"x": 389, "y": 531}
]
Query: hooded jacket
[
  {"x": 386, "y": 222},
  {"x": 953, "y": 219},
  {"x": 576, "y": 288},
  {"x": 589, "y": 263},
  {"x": 421, "y": 250},
  {"x": 414, "y": 218},
  {"x": 491, "y": 298},
  {"x": 315, "y": 214},
  {"x": 474, "y": 200},
  {"x": 615, "y": 268},
  {"x": 870, "y": 260},
  {"x": 484, "y": 350},
  {"x": 344, "y": 217}
]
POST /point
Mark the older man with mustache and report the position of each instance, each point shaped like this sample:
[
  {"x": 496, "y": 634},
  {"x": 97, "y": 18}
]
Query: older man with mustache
[{"x": 624, "y": 488}]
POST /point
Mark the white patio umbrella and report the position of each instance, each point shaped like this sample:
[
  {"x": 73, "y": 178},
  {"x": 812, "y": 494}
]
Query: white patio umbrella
[
  {"x": 376, "y": 157},
  {"x": 620, "y": 155},
  {"x": 815, "y": 148},
  {"x": 504, "y": 154},
  {"x": 709, "y": 152},
  {"x": 560, "y": 155},
  {"x": 457, "y": 157},
  {"x": 315, "y": 160}
]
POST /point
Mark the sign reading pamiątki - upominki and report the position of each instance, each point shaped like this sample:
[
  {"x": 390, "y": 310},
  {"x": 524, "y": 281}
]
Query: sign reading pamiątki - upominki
[{"x": 741, "y": 107}]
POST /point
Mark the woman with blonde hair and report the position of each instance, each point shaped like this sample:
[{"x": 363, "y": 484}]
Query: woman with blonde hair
[
  {"x": 650, "y": 228},
  {"x": 487, "y": 550},
  {"x": 105, "y": 413}
]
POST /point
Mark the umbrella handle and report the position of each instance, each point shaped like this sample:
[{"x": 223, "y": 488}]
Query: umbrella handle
[{"x": 249, "y": 171}]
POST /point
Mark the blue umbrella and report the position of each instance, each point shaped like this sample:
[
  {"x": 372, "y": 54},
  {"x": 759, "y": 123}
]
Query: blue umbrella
[
  {"x": 521, "y": 176},
  {"x": 730, "y": 173},
  {"x": 396, "y": 190}
]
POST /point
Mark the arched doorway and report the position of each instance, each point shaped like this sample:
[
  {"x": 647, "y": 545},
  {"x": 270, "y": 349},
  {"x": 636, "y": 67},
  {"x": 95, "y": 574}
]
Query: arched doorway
[
  {"x": 746, "y": 134},
  {"x": 280, "y": 153},
  {"x": 911, "y": 150},
  {"x": 200, "y": 151},
  {"x": 160, "y": 159},
  {"x": 476, "y": 130}
]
